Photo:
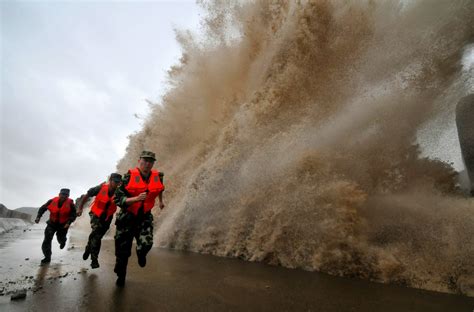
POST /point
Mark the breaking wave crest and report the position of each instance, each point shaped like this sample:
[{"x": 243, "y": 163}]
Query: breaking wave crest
[{"x": 289, "y": 136}]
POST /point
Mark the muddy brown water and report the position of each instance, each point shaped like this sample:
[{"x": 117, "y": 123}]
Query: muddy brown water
[{"x": 182, "y": 281}]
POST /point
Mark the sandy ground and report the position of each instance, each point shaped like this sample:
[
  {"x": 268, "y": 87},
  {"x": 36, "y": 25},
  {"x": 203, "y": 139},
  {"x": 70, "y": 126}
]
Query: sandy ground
[{"x": 181, "y": 281}]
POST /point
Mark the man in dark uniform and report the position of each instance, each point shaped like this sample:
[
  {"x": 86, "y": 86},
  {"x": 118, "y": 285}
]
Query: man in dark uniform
[
  {"x": 101, "y": 214},
  {"x": 62, "y": 213},
  {"x": 136, "y": 197}
]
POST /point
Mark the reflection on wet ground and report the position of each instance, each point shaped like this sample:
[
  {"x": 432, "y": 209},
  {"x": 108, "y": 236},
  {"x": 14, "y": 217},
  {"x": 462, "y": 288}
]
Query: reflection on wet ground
[
  {"x": 180, "y": 281},
  {"x": 21, "y": 256}
]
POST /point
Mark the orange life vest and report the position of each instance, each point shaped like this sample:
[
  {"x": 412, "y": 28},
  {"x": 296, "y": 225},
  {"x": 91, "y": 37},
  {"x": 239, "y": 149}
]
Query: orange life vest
[
  {"x": 100, "y": 203},
  {"x": 136, "y": 185},
  {"x": 59, "y": 214}
]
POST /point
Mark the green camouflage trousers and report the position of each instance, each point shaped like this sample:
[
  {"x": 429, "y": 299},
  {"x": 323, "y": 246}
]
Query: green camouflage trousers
[
  {"x": 128, "y": 227},
  {"x": 49, "y": 232},
  {"x": 99, "y": 228}
]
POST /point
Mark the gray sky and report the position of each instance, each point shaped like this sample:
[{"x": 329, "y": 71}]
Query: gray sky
[{"x": 73, "y": 74}]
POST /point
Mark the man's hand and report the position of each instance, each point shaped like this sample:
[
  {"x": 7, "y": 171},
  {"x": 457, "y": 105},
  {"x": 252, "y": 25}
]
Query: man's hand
[
  {"x": 141, "y": 197},
  {"x": 66, "y": 226},
  {"x": 79, "y": 213},
  {"x": 136, "y": 199},
  {"x": 37, "y": 220},
  {"x": 162, "y": 205}
]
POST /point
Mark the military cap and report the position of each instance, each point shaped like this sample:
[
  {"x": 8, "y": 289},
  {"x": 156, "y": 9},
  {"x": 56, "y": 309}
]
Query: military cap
[
  {"x": 64, "y": 191},
  {"x": 116, "y": 177},
  {"x": 148, "y": 154}
]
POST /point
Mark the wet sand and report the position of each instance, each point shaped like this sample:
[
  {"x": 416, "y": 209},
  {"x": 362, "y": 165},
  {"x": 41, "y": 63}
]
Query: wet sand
[{"x": 182, "y": 281}]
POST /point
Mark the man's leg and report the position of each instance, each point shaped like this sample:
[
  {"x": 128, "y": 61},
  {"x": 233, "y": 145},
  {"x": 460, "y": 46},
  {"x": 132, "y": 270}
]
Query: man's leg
[
  {"x": 123, "y": 246},
  {"x": 95, "y": 240},
  {"x": 61, "y": 234},
  {"x": 87, "y": 250},
  {"x": 144, "y": 238},
  {"x": 46, "y": 246}
]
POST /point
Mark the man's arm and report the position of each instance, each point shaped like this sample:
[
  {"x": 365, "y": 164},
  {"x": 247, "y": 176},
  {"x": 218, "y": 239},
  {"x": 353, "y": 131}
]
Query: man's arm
[
  {"x": 160, "y": 195},
  {"x": 160, "y": 200},
  {"x": 42, "y": 210},
  {"x": 93, "y": 191},
  {"x": 84, "y": 199},
  {"x": 72, "y": 215},
  {"x": 122, "y": 197},
  {"x": 121, "y": 193}
]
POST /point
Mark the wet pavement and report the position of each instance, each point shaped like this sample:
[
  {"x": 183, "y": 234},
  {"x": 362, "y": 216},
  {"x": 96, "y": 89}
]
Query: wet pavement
[{"x": 181, "y": 281}]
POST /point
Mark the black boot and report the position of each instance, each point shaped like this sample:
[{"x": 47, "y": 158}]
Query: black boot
[
  {"x": 141, "y": 259},
  {"x": 121, "y": 270},
  {"x": 46, "y": 260},
  {"x": 94, "y": 264},
  {"x": 120, "y": 282}
]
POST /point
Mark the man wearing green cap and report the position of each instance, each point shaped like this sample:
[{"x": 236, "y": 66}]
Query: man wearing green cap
[
  {"x": 101, "y": 214},
  {"x": 136, "y": 197},
  {"x": 62, "y": 213}
]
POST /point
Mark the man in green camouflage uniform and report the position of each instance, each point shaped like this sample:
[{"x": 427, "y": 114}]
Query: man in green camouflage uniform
[
  {"x": 101, "y": 214},
  {"x": 135, "y": 219}
]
